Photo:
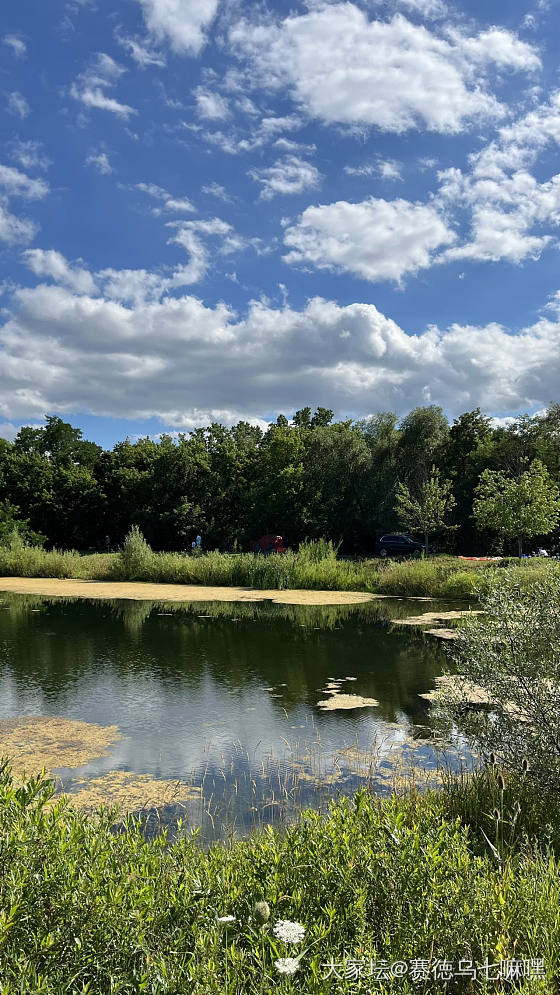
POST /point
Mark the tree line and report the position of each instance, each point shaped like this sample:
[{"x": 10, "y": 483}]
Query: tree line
[{"x": 304, "y": 477}]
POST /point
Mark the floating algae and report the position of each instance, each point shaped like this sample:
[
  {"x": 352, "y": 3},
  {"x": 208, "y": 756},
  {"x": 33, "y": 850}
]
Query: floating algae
[
  {"x": 447, "y": 634},
  {"x": 32, "y": 742},
  {"x": 345, "y": 701},
  {"x": 432, "y": 617},
  {"x": 131, "y": 792}
]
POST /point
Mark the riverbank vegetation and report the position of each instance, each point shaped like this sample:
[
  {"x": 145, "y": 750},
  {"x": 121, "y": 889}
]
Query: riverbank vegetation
[
  {"x": 304, "y": 478},
  {"x": 314, "y": 567},
  {"x": 468, "y": 874}
]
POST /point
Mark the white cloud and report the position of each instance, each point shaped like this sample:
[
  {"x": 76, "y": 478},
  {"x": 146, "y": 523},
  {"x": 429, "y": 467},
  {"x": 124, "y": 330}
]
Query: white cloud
[
  {"x": 141, "y": 54},
  {"x": 29, "y": 154},
  {"x": 48, "y": 262},
  {"x": 146, "y": 359},
  {"x": 387, "y": 169},
  {"x": 18, "y": 105},
  {"x": 426, "y": 8},
  {"x": 182, "y": 23},
  {"x": 217, "y": 190},
  {"x": 95, "y": 97},
  {"x": 90, "y": 87},
  {"x": 100, "y": 162},
  {"x": 396, "y": 75},
  {"x": 17, "y": 184},
  {"x": 13, "y": 229},
  {"x": 17, "y": 45},
  {"x": 210, "y": 105},
  {"x": 513, "y": 216},
  {"x": 177, "y": 205},
  {"x": 375, "y": 239},
  {"x": 289, "y": 175}
]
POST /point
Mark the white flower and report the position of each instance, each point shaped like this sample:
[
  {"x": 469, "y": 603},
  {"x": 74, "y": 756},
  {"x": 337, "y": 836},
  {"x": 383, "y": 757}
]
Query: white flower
[
  {"x": 288, "y": 932},
  {"x": 225, "y": 920},
  {"x": 287, "y": 965}
]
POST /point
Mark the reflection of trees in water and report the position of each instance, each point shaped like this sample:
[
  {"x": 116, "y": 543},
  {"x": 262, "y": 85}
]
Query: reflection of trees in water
[{"x": 237, "y": 646}]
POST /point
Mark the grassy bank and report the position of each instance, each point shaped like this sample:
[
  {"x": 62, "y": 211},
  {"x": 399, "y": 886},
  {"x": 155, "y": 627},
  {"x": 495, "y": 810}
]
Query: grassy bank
[
  {"x": 85, "y": 909},
  {"x": 311, "y": 568}
]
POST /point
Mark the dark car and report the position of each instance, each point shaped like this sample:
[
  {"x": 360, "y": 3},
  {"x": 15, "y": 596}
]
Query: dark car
[{"x": 398, "y": 545}]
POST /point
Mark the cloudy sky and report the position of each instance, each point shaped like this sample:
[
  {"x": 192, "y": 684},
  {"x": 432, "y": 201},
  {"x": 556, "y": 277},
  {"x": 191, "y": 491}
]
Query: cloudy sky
[{"x": 219, "y": 209}]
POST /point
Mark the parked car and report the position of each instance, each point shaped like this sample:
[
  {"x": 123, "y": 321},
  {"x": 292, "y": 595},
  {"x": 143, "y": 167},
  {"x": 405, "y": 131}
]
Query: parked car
[{"x": 399, "y": 545}]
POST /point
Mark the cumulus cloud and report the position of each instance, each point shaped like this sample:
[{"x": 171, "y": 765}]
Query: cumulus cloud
[
  {"x": 513, "y": 216},
  {"x": 90, "y": 87},
  {"x": 182, "y": 23},
  {"x": 15, "y": 183},
  {"x": 145, "y": 360},
  {"x": 48, "y": 262},
  {"x": 288, "y": 175},
  {"x": 18, "y": 105},
  {"x": 375, "y": 239},
  {"x": 343, "y": 68}
]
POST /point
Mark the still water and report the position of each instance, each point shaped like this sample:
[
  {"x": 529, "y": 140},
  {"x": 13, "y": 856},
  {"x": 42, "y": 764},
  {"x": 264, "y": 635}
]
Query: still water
[{"x": 225, "y": 696}]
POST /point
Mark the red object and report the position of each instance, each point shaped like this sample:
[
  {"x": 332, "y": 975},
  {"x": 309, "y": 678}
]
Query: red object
[{"x": 268, "y": 544}]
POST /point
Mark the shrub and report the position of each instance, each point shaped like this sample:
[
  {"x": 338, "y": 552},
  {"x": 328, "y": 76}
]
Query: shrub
[{"x": 506, "y": 697}]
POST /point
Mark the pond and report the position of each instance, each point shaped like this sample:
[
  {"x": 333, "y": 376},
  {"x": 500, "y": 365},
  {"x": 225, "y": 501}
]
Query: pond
[{"x": 227, "y": 699}]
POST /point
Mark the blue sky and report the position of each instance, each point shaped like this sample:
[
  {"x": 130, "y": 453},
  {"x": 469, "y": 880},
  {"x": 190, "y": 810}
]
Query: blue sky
[{"x": 214, "y": 210}]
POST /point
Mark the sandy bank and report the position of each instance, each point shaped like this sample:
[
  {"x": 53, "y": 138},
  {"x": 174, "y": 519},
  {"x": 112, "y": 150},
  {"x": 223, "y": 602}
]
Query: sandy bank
[{"x": 137, "y": 591}]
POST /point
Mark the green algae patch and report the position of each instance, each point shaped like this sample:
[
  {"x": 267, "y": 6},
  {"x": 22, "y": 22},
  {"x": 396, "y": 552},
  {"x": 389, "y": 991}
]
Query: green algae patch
[{"x": 34, "y": 742}]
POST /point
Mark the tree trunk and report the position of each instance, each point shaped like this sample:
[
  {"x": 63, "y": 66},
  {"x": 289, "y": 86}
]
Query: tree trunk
[
  {"x": 520, "y": 546},
  {"x": 426, "y": 542}
]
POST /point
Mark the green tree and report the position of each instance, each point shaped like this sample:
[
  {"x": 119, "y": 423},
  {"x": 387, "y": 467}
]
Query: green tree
[
  {"x": 517, "y": 507},
  {"x": 426, "y": 510},
  {"x": 14, "y": 529}
]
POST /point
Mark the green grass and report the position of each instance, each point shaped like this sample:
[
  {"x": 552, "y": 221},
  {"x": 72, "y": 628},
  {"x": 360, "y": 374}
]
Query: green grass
[
  {"x": 438, "y": 577},
  {"x": 86, "y": 909}
]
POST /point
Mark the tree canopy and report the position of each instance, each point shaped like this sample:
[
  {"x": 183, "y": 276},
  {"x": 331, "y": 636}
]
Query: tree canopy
[{"x": 306, "y": 475}]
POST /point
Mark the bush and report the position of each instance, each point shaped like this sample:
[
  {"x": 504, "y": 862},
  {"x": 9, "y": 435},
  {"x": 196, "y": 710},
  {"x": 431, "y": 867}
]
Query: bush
[
  {"x": 88, "y": 909},
  {"x": 506, "y": 697}
]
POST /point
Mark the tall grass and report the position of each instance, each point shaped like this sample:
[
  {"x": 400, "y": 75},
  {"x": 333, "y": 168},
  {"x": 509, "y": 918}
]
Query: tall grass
[
  {"x": 85, "y": 909},
  {"x": 315, "y": 566}
]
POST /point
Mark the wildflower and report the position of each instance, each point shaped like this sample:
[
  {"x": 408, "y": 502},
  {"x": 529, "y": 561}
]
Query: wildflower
[
  {"x": 262, "y": 912},
  {"x": 226, "y": 920},
  {"x": 492, "y": 759},
  {"x": 501, "y": 783},
  {"x": 288, "y": 932},
  {"x": 525, "y": 765},
  {"x": 287, "y": 965}
]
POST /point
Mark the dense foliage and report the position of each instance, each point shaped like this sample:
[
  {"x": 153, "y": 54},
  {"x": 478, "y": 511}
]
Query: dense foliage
[
  {"x": 85, "y": 909},
  {"x": 306, "y": 478}
]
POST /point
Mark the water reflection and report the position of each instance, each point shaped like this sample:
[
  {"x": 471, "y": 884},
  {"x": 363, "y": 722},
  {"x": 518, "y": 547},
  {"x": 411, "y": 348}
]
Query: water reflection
[{"x": 224, "y": 695}]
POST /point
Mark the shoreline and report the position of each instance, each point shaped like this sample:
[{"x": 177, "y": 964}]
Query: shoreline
[{"x": 148, "y": 591}]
